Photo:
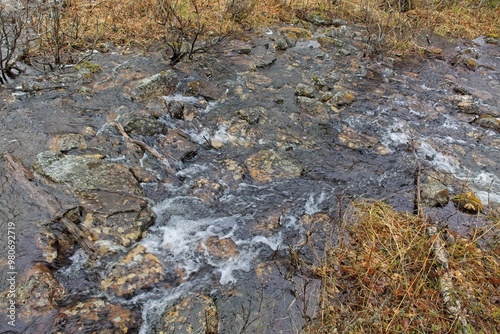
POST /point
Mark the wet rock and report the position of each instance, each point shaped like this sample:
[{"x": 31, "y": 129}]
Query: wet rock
[
  {"x": 434, "y": 194},
  {"x": 138, "y": 270},
  {"x": 144, "y": 126},
  {"x": 350, "y": 138},
  {"x": 468, "y": 202},
  {"x": 206, "y": 89},
  {"x": 251, "y": 115},
  {"x": 160, "y": 84},
  {"x": 66, "y": 142},
  {"x": 206, "y": 190},
  {"x": 489, "y": 122},
  {"x": 329, "y": 42},
  {"x": 142, "y": 175},
  {"x": 181, "y": 110},
  {"x": 112, "y": 200},
  {"x": 343, "y": 98},
  {"x": 194, "y": 314},
  {"x": 178, "y": 145},
  {"x": 465, "y": 103},
  {"x": 269, "y": 165},
  {"x": 312, "y": 107},
  {"x": 304, "y": 90},
  {"x": 37, "y": 293},
  {"x": 223, "y": 248},
  {"x": 96, "y": 316}
]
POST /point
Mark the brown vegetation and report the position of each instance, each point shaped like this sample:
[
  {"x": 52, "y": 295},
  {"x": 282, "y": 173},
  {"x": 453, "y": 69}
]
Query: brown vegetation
[{"x": 390, "y": 274}]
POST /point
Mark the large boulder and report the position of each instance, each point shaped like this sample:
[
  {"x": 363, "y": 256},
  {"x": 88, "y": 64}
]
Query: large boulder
[{"x": 113, "y": 202}]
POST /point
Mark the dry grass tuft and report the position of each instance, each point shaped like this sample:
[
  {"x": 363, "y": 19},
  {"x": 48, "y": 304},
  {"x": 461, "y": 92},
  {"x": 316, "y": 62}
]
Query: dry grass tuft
[{"x": 384, "y": 277}]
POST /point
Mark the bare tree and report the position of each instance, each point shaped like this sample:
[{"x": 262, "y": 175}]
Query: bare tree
[{"x": 12, "y": 44}]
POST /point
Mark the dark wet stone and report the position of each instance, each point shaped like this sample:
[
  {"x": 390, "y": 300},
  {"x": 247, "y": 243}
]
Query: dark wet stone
[
  {"x": 206, "y": 89},
  {"x": 312, "y": 107},
  {"x": 144, "y": 126},
  {"x": 160, "y": 84},
  {"x": 138, "y": 270},
  {"x": 178, "y": 146},
  {"x": 113, "y": 201},
  {"x": 96, "y": 316},
  {"x": 269, "y": 165},
  {"x": 142, "y": 175},
  {"x": 251, "y": 115},
  {"x": 207, "y": 191},
  {"x": 194, "y": 314}
]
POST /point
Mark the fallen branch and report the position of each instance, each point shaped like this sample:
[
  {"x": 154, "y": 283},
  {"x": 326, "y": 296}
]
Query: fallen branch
[
  {"x": 23, "y": 176},
  {"x": 144, "y": 146}
]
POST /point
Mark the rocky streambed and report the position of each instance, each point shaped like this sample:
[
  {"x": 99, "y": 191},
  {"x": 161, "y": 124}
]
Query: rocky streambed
[{"x": 193, "y": 183}]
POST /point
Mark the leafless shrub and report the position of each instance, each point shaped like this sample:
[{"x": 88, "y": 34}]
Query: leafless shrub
[{"x": 12, "y": 43}]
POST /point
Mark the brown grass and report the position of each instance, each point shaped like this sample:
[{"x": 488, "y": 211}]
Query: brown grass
[
  {"x": 383, "y": 277},
  {"x": 136, "y": 22}
]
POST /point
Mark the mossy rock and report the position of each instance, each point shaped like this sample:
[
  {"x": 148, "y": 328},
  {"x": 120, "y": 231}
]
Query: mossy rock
[{"x": 468, "y": 202}]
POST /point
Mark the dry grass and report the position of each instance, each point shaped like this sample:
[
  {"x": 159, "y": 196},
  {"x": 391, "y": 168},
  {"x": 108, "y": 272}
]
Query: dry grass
[
  {"x": 137, "y": 22},
  {"x": 384, "y": 277}
]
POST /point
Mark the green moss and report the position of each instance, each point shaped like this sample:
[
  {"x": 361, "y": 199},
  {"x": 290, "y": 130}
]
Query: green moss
[{"x": 92, "y": 67}]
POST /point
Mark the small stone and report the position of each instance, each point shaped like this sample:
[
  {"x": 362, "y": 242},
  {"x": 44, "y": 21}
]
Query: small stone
[
  {"x": 435, "y": 194},
  {"x": 178, "y": 145},
  {"x": 343, "y": 98},
  {"x": 160, "y": 84},
  {"x": 144, "y": 126},
  {"x": 66, "y": 142},
  {"x": 304, "y": 90},
  {"x": 205, "y": 89},
  {"x": 251, "y": 115},
  {"x": 281, "y": 44},
  {"x": 489, "y": 122}
]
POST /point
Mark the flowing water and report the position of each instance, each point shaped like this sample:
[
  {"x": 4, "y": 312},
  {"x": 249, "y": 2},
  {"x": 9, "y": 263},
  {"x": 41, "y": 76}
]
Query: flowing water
[{"x": 402, "y": 117}]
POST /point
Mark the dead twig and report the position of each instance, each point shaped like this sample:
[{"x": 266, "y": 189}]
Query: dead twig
[{"x": 144, "y": 146}]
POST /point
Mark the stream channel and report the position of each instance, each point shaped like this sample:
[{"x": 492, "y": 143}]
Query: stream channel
[{"x": 262, "y": 138}]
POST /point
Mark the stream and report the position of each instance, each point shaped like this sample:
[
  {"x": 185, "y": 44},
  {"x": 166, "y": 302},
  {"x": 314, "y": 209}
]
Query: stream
[{"x": 268, "y": 138}]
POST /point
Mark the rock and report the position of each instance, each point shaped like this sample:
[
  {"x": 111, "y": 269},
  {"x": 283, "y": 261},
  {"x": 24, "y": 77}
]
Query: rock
[
  {"x": 37, "y": 293},
  {"x": 317, "y": 18},
  {"x": 112, "y": 200},
  {"x": 312, "y": 107},
  {"x": 264, "y": 61},
  {"x": 142, "y": 175},
  {"x": 138, "y": 270},
  {"x": 269, "y": 165},
  {"x": 465, "y": 103},
  {"x": 160, "y": 84},
  {"x": 295, "y": 33},
  {"x": 468, "y": 202},
  {"x": 343, "y": 98},
  {"x": 222, "y": 248},
  {"x": 251, "y": 115},
  {"x": 181, "y": 110},
  {"x": 281, "y": 44},
  {"x": 489, "y": 122},
  {"x": 329, "y": 42},
  {"x": 350, "y": 138},
  {"x": 206, "y": 190},
  {"x": 96, "y": 316},
  {"x": 205, "y": 89},
  {"x": 304, "y": 90},
  {"x": 194, "y": 314},
  {"x": 66, "y": 142},
  {"x": 178, "y": 145},
  {"x": 434, "y": 194},
  {"x": 144, "y": 126},
  {"x": 338, "y": 22}
]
